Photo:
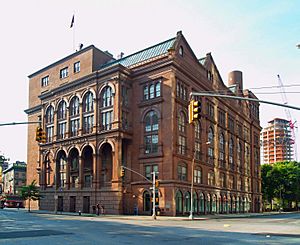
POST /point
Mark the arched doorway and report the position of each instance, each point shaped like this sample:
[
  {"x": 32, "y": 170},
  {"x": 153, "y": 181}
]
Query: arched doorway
[
  {"x": 208, "y": 204},
  {"x": 61, "y": 170},
  {"x": 87, "y": 161},
  {"x": 146, "y": 202},
  {"x": 179, "y": 201},
  {"x": 74, "y": 168},
  {"x": 214, "y": 204},
  {"x": 187, "y": 202},
  {"x": 106, "y": 171},
  {"x": 49, "y": 169},
  {"x": 195, "y": 203},
  {"x": 201, "y": 203}
]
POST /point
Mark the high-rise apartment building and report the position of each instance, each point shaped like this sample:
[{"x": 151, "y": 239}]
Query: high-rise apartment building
[
  {"x": 100, "y": 114},
  {"x": 277, "y": 142}
]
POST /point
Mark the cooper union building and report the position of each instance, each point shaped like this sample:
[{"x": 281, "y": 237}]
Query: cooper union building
[{"x": 100, "y": 113}]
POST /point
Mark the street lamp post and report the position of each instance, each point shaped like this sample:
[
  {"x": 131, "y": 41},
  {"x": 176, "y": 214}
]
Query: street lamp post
[
  {"x": 153, "y": 199},
  {"x": 192, "y": 188}
]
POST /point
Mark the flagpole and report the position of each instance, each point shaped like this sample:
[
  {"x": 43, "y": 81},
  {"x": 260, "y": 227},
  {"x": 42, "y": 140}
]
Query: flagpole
[{"x": 74, "y": 32}]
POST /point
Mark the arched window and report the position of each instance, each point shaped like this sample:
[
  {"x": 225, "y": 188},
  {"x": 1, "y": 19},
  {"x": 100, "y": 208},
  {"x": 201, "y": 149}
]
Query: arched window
[
  {"x": 107, "y": 97},
  {"x": 88, "y": 104},
  {"x": 151, "y": 132},
  {"x": 49, "y": 119},
  {"x": 210, "y": 143},
  {"x": 222, "y": 150},
  {"x": 74, "y": 106},
  {"x": 61, "y": 120},
  {"x": 197, "y": 140},
  {"x": 88, "y": 113},
  {"x": 106, "y": 110},
  {"x": 49, "y": 115},
  {"x": 74, "y": 116},
  {"x": 231, "y": 163}
]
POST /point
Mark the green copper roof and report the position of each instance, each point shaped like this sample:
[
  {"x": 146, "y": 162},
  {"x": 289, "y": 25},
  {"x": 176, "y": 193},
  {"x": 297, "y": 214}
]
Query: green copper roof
[{"x": 143, "y": 55}]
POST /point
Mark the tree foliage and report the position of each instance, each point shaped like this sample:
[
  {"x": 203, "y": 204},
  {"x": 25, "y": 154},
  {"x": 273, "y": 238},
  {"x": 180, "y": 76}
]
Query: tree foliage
[
  {"x": 281, "y": 181},
  {"x": 30, "y": 192}
]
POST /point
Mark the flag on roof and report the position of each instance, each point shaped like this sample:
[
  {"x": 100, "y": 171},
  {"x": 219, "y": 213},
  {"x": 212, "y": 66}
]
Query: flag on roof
[{"x": 72, "y": 22}]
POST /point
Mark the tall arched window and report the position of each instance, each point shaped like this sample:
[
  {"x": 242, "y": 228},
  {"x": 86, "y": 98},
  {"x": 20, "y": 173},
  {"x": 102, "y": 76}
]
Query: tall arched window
[
  {"x": 151, "y": 132},
  {"x": 88, "y": 104},
  {"x": 197, "y": 140},
  {"x": 49, "y": 120},
  {"x": 61, "y": 120},
  {"x": 231, "y": 162},
  {"x": 210, "y": 143},
  {"x": 106, "y": 110},
  {"x": 182, "y": 133},
  {"x": 88, "y": 113},
  {"x": 222, "y": 150},
  {"x": 74, "y": 116},
  {"x": 107, "y": 97}
]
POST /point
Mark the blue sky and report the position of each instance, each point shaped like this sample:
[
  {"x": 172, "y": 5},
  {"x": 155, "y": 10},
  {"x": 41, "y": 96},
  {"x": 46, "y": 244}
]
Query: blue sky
[{"x": 257, "y": 37}]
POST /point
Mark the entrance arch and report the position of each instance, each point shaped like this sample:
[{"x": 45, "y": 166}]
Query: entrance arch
[
  {"x": 106, "y": 163},
  {"x": 87, "y": 161}
]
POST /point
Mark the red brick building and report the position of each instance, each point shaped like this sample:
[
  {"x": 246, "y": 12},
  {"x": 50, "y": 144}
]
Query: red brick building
[{"x": 100, "y": 114}]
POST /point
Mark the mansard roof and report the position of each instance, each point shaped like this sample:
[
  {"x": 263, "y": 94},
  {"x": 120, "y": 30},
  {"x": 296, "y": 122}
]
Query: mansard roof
[{"x": 143, "y": 55}]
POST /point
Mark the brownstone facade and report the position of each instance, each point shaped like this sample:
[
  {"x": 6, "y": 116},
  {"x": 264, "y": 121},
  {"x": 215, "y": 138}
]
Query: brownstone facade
[{"x": 100, "y": 114}]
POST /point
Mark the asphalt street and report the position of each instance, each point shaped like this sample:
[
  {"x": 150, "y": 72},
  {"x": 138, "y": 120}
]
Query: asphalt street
[{"x": 21, "y": 227}]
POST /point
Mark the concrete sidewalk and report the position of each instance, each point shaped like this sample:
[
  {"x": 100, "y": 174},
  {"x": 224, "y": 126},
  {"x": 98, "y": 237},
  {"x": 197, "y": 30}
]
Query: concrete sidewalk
[{"x": 144, "y": 217}]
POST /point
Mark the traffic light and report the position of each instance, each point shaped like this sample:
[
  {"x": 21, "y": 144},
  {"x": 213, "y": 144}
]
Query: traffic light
[
  {"x": 43, "y": 138},
  {"x": 122, "y": 172},
  {"x": 38, "y": 134},
  {"x": 194, "y": 110},
  {"x": 156, "y": 183}
]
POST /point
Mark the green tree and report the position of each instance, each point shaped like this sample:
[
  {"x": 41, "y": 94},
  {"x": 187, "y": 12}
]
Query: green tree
[
  {"x": 281, "y": 181},
  {"x": 30, "y": 192},
  {"x": 268, "y": 187}
]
